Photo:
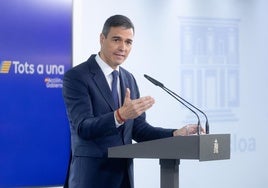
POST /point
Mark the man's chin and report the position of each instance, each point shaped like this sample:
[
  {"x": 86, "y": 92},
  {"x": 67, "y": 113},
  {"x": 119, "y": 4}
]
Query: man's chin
[{"x": 119, "y": 61}]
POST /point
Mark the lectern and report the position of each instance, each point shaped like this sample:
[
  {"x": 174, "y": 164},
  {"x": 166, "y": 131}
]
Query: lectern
[{"x": 171, "y": 150}]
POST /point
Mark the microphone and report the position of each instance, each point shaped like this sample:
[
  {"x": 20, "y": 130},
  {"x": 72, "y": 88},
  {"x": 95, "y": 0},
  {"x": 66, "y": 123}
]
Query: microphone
[{"x": 182, "y": 101}]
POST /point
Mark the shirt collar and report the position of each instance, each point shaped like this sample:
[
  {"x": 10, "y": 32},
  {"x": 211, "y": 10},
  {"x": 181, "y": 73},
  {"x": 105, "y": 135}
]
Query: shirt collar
[{"x": 106, "y": 69}]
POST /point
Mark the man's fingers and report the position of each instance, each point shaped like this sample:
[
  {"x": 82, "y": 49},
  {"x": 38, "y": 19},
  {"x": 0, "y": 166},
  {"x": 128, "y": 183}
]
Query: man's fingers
[
  {"x": 143, "y": 103},
  {"x": 133, "y": 108}
]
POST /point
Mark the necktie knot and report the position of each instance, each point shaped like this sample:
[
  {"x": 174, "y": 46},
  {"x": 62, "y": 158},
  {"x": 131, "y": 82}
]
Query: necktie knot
[{"x": 115, "y": 74}]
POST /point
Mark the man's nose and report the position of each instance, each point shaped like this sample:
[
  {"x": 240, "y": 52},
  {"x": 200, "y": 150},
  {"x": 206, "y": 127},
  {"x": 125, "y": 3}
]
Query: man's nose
[{"x": 122, "y": 46}]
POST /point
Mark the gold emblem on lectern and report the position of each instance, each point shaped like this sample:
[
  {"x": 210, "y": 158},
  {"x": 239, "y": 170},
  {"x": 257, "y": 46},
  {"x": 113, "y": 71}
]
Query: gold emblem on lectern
[{"x": 216, "y": 147}]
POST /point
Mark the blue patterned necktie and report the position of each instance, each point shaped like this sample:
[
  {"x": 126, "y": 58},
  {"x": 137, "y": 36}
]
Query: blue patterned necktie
[
  {"x": 116, "y": 100},
  {"x": 114, "y": 89}
]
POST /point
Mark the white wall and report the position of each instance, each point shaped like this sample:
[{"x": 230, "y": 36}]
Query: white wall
[{"x": 157, "y": 52}]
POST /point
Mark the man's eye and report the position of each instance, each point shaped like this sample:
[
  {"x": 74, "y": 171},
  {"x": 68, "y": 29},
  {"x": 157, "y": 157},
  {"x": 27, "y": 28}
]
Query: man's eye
[{"x": 129, "y": 42}]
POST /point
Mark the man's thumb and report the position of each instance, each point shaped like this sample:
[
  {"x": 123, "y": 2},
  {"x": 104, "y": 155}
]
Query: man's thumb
[{"x": 127, "y": 96}]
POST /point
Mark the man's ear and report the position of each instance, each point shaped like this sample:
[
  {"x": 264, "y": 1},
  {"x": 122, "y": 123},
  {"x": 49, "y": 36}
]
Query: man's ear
[{"x": 102, "y": 37}]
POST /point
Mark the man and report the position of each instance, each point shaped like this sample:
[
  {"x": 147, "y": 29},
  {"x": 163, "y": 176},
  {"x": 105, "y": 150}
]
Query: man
[{"x": 104, "y": 112}]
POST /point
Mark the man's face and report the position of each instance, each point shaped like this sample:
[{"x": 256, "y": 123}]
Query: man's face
[{"x": 116, "y": 47}]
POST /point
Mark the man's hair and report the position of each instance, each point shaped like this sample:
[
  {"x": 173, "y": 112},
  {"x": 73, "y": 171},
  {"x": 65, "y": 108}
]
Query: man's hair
[{"x": 117, "y": 21}]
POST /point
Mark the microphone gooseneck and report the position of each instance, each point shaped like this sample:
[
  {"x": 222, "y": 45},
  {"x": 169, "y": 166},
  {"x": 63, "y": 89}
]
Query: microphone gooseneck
[
  {"x": 182, "y": 101},
  {"x": 207, "y": 124}
]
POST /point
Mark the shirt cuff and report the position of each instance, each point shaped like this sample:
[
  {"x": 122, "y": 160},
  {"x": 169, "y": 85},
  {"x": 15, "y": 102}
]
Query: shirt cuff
[{"x": 117, "y": 124}]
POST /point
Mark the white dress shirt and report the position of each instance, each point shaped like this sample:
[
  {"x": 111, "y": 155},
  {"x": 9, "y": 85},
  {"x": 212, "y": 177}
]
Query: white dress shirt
[{"x": 107, "y": 71}]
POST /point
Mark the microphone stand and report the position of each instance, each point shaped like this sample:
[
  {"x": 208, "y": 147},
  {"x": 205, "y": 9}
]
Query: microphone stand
[
  {"x": 178, "y": 99},
  {"x": 182, "y": 101},
  {"x": 207, "y": 124},
  {"x": 174, "y": 95}
]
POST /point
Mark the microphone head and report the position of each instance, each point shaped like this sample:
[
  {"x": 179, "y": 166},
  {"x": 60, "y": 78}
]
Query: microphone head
[{"x": 155, "y": 82}]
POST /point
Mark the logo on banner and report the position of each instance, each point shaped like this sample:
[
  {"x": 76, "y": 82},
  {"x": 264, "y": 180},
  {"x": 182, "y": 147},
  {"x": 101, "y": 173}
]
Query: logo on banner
[
  {"x": 5, "y": 67},
  {"x": 53, "y": 82},
  {"x": 19, "y": 68}
]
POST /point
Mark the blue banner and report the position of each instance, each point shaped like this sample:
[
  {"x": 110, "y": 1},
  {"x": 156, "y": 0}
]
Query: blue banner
[{"x": 35, "y": 51}]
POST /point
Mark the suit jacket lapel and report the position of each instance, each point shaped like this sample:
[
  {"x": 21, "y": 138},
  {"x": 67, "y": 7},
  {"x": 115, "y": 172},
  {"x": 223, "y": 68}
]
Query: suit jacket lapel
[{"x": 101, "y": 83}]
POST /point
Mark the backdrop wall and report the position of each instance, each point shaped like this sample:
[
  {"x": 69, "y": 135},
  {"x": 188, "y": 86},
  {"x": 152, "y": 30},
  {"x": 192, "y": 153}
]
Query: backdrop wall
[{"x": 213, "y": 53}]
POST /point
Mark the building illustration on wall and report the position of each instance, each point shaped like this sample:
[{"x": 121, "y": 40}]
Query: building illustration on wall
[{"x": 209, "y": 65}]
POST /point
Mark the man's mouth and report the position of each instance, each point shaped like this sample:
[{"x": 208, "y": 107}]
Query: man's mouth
[{"x": 120, "y": 55}]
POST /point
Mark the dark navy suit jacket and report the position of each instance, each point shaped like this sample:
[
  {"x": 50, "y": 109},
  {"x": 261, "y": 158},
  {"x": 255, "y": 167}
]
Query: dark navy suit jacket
[{"x": 90, "y": 109}]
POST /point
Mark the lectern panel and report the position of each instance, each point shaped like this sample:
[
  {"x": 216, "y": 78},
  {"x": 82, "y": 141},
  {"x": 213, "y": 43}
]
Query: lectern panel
[{"x": 201, "y": 147}]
